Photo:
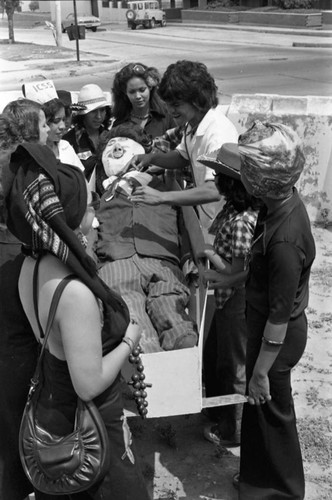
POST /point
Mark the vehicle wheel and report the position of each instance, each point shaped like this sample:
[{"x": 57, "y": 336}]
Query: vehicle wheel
[
  {"x": 152, "y": 23},
  {"x": 131, "y": 15},
  {"x": 63, "y": 29},
  {"x": 133, "y": 26},
  {"x": 94, "y": 29},
  {"x": 163, "y": 22}
]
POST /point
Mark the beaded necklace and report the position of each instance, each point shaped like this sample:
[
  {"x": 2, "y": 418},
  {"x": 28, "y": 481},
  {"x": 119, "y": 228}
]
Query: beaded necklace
[{"x": 145, "y": 117}]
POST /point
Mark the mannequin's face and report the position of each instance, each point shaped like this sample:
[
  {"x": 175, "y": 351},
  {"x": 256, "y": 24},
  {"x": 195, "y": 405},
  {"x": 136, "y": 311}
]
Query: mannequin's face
[{"x": 118, "y": 154}]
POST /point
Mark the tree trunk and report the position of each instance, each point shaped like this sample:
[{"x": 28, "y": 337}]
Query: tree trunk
[
  {"x": 10, "y": 8},
  {"x": 11, "y": 38}
]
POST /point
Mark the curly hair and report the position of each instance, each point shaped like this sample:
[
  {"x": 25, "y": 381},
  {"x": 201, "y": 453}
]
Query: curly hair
[
  {"x": 121, "y": 104},
  {"x": 234, "y": 191},
  {"x": 10, "y": 137},
  {"x": 51, "y": 108},
  {"x": 25, "y": 114},
  {"x": 190, "y": 82}
]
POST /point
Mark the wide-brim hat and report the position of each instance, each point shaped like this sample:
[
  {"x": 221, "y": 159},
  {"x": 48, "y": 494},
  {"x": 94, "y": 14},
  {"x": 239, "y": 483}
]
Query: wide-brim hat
[
  {"x": 91, "y": 97},
  {"x": 225, "y": 160}
]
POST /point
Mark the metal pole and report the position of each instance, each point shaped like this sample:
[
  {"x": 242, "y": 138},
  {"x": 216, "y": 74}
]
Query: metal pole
[
  {"x": 58, "y": 36},
  {"x": 76, "y": 28}
]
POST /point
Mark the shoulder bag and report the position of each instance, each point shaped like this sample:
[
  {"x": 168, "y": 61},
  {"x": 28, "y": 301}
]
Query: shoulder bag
[{"x": 59, "y": 465}]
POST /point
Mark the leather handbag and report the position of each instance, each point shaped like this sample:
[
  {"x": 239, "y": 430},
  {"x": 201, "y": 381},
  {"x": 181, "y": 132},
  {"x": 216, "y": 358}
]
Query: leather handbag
[{"x": 68, "y": 464}]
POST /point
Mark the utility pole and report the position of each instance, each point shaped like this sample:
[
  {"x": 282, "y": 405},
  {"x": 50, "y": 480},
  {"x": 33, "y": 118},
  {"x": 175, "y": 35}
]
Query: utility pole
[
  {"x": 76, "y": 28},
  {"x": 58, "y": 28}
]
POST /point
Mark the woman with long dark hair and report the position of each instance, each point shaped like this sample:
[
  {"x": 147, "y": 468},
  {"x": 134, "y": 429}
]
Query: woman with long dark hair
[
  {"x": 55, "y": 113},
  {"x": 136, "y": 100}
]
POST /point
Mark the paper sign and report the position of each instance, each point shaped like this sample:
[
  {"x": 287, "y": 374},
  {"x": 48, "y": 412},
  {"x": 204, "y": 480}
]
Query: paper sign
[{"x": 41, "y": 92}]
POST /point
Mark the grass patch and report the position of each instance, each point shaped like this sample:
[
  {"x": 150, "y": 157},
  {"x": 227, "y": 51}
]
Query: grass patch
[{"x": 20, "y": 51}]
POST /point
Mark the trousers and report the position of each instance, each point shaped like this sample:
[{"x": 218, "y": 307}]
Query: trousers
[
  {"x": 157, "y": 296},
  {"x": 224, "y": 358},
  {"x": 271, "y": 463}
]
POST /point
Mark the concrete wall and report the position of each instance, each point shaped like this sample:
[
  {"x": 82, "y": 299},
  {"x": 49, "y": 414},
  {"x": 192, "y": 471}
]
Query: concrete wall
[
  {"x": 327, "y": 16},
  {"x": 284, "y": 19},
  {"x": 44, "y": 6},
  {"x": 311, "y": 117}
]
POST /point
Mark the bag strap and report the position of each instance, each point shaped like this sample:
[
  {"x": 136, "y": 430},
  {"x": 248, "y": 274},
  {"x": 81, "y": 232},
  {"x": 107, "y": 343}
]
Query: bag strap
[
  {"x": 53, "y": 308},
  {"x": 35, "y": 296}
]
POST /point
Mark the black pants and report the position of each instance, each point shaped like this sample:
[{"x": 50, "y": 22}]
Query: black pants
[
  {"x": 224, "y": 361},
  {"x": 271, "y": 462}
]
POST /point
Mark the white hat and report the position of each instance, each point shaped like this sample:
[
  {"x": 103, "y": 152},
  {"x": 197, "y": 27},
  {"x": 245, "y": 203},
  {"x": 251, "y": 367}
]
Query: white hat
[{"x": 92, "y": 97}]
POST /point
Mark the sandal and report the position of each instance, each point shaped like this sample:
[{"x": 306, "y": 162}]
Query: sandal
[{"x": 236, "y": 480}]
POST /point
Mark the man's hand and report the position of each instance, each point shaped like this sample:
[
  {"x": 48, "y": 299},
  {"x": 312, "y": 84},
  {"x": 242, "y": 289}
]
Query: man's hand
[
  {"x": 148, "y": 195},
  {"x": 141, "y": 162}
]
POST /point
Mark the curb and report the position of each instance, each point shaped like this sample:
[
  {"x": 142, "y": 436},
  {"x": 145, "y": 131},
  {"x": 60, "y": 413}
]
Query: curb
[
  {"x": 258, "y": 29},
  {"x": 312, "y": 45}
]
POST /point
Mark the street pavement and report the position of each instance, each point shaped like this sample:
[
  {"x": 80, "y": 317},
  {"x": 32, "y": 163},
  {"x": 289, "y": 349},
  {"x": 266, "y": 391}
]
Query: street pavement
[{"x": 13, "y": 71}]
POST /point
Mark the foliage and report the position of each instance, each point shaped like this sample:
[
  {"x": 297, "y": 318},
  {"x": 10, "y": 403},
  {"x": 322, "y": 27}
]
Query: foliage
[
  {"x": 10, "y": 6},
  {"x": 34, "y": 6},
  {"x": 225, "y": 3},
  {"x": 294, "y": 4}
]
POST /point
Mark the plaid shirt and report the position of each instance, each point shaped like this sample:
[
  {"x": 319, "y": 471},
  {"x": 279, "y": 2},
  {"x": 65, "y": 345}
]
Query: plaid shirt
[
  {"x": 169, "y": 140},
  {"x": 233, "y": 232}
]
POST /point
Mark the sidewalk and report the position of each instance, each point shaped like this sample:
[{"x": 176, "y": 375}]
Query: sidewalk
[{"x": 318, "y": 38}]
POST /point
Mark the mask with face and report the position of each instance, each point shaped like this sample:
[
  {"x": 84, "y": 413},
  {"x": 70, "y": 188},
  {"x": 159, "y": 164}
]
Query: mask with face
[{"x": 118, "y": 154}]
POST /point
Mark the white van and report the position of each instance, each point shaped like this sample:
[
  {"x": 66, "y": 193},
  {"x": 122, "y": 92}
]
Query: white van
[{"x": 146, "y": 13}]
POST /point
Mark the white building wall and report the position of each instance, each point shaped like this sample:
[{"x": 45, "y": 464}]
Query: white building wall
[
  {"x": 44, "y": 6},
  {"x": 82, "y": 7}
]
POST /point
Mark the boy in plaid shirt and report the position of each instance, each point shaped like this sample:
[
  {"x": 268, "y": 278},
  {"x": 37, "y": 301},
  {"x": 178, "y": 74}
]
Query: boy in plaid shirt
[{"x": 225, "y": 347}]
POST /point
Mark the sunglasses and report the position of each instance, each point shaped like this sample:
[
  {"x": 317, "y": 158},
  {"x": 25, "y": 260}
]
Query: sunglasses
[
  {"x": 138, "y": 69},
  {"x": 95, "y": 203}
]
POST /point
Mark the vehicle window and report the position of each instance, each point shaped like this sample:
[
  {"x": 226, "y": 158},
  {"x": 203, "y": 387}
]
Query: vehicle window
[{"x": 140, "y": 6}]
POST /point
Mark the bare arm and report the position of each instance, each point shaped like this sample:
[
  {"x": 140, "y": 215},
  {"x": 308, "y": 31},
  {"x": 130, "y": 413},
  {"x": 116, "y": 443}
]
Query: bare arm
[
  {"x": 259, "y": 386},
  {"x": 170, "y": 160},
  {"x": 226, "y": 274},
  {"x": 195, "y": 196},
  {"x": 78, "y": 319}
]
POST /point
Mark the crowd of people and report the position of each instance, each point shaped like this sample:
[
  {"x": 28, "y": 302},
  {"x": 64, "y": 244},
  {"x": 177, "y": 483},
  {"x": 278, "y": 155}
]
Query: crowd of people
[{"x": 77, "y": 184}]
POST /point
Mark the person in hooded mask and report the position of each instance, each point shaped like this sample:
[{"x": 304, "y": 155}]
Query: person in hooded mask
[{"x": 277, "y": 291}]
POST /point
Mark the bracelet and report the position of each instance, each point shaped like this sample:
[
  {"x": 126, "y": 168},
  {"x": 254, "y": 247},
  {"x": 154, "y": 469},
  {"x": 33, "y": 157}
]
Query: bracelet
[
  {"x": 129, "y": 342},
  {"x": 275, "y": 343}
]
